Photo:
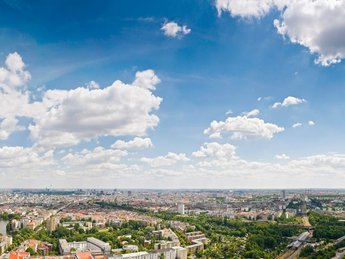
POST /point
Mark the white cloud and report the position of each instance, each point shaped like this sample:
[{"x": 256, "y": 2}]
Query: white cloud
[
  {"x": 14, "y": 62},
  {"x": 229, "y": 112},
  {"x": 264, "y": 98},
  {"x": 67, "y": 117},
  {"x": 96, "y": 157},
  {"x": 297, "y": 125},
  {"x": 282, "y": 157},
  {"x": 100, "y": 163},
  {"x": 83, "y": 113},
  {"x": 92, "y": 85},
  {"x": 252, "y": 113},
  {"x": 288, "y": 101},
  {"x": 172, "y": 29},
  {"x": 224, "y": 170},
  {"x": 13, "y": 94},
  {"x": 20, "y": 160},
  {"x": 136, "y": 143},
  {"x": 167, "y": 160},
  {"x": 323, "y": 162},
  {"x": 14, "y": 73},
  {"x": 244, "y": 8},
  {"x": 146, "y": 79},
  {"x": 215, "y": 165},
  {"x": 214, "y": 149},
  {"x": 242, "y": 127},
  {"x": 7, "y": 126},
  {"x": 302, "y": 22}
]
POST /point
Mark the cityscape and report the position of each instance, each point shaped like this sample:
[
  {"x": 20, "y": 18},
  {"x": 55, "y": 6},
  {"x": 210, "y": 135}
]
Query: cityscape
[
  {"x": 185, "y": 129},
  {"x": 171, "y": 224}
]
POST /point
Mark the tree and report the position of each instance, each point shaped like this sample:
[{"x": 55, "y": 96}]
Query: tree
[
  {"x": 306, "y": 251},
  {"x": 31, "y": 251}
]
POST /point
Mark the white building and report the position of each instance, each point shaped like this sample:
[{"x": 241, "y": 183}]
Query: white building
[
  {"x": 180, "y": 208},
  {"x": 173, "y": 253},
  {"x": 93, "y": 245}
]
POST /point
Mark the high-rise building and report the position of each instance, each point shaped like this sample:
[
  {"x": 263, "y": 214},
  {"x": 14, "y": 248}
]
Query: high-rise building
[
  {"x": 180, "y": 208},
  {"x": 52, "y": 223},
  {"x": 303, "y": 208},
  {"x": 283, "y": 194}
]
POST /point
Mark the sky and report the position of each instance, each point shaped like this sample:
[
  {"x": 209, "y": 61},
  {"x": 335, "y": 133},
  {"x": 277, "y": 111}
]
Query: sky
[{"x": 172, "y": 94}]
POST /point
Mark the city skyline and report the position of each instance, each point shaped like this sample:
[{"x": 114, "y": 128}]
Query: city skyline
[{"x": 156, "y": 95}]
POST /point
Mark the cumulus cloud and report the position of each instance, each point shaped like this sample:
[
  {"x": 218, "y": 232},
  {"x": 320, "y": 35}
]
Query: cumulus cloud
[
  {"x": 13, "y": 74},
  {"x": 297, "y": 125},
  {"x": 311, "y": 123},
  {"x": 212, "y": 163},
  {"x": 233, "y": 171},
  {"x": 67, "y": 117},
  {"x": 244, "y": 8},
  {"x": 172, "y": 29},
  {"x": 252, "y": 113},
  {"x": 146, "y": 79},
  {"x": 282, "y": 157},
  {"x": 242, "y": 127},
  {"x": 136, "y": 143},
  {"x": 288, "y": 101},
  {"x": 322, "y": 162},
  {"x": 7, "y": 126},
  {"x": 214, "y": 149},
  {"x": 97, "y": 156},
  {"x": 323, "y": 166},
  {"x": 92, "y": 85},
  {"x": 167, "y": 160},
  {"x": 301, "y": 21},
  {"x": 83, "y": 113},
  {"x": 99, "y": 163},
  {"x": 24, "y": 161},
  {"x": 13, "y": 94}
]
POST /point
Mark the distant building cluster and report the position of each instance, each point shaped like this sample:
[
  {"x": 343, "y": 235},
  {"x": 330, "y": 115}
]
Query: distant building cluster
[
  {"x": 94, "y": 210},
  {"x": 92, "y": 245},
  {"x": 5, "y": 242},
  {"x": 95, "y": 248}
]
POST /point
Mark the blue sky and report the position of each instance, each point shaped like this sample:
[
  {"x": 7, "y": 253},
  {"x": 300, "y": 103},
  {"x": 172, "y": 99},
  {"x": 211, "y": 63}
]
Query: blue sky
[{"x": 229, "y": 55}]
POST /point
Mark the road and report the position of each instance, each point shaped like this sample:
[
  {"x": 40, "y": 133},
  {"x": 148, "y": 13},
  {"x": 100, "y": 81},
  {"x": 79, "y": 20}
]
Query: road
[
  {"x": 294, "y": 253},
  {"x": 290, "y": 254},
  {"x": 339, "y": 255},
  {"x": 305, "y": 221}
]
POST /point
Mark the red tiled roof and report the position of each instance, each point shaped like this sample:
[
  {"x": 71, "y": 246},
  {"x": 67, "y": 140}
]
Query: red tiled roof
[
  {"x": 19, "y": 255},
  {"x": 84, "y": 255}
]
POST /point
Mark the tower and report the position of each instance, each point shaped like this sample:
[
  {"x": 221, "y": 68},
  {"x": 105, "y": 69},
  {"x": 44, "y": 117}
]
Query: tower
[{"x": 180, "y": 208}]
